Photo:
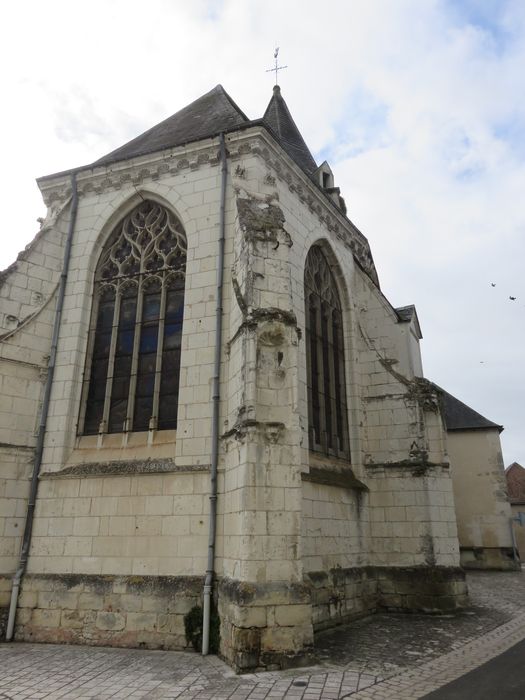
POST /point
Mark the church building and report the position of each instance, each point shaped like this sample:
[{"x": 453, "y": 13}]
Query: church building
[{"x": 209, "y": 409}]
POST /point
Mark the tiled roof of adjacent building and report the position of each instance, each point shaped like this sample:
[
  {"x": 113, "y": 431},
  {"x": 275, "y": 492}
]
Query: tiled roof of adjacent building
[
  {"x": 459, "y": 416},
  {"x": 207, "y": 116},
  {"x": 515, "y": 475}
]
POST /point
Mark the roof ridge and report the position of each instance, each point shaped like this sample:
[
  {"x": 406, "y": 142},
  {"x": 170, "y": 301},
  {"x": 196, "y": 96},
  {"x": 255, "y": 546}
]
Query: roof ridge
[{"x": 204, "y": 117}]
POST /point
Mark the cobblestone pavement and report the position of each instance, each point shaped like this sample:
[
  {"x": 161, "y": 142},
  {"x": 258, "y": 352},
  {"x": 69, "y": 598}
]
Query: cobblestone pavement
[{"x": 396, "y": 657}]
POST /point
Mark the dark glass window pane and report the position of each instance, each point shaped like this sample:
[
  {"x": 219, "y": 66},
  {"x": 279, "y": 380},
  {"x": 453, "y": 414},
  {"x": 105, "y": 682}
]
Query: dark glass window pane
[
  {"x": 174, "y": 306},
  {"x": 117, "y": 415},
  {"x": 168, "y": 411},
  {"x": 122, "y": 367},
  {"x": 151, "y": 307},
  {"x": 128, "y": 312},
  {"x": 102, "y": 345},
  {"x": 125, "y": 340},
  {"x": 145, "y": 384},
  {"x": 120, "y": 388},
  {"x": 143, "y": 408},
  {"x": 106, "y": 311},
  {"x": 148, "y": 339},
  {"x": 99, "y": 372},
  {"x": 170, "y": 372},
  {"x": 94, "y": 411},
  {"x": 172, "y": 335},
  {"x": 147, "y": 364}
]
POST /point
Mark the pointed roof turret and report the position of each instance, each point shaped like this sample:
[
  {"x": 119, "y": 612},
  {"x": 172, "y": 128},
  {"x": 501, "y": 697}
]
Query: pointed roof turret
[
  {"x": 278, "y": 118},
  {"x": 206, "y": 116}
]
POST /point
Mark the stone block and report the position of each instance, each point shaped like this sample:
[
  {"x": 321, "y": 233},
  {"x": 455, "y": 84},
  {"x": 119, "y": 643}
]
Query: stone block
[
  {"x": 110, "y": 621},
  {"x": 27, "y": 599},
  {"x": 45, "y": 618},
  {"x": 141, "y": 621},
  {"x": 72, "y": 619},
  {"x": 281, "y": 639},
  {"x": 90, "y": 601},
  {"x": 289, "y": 615}
]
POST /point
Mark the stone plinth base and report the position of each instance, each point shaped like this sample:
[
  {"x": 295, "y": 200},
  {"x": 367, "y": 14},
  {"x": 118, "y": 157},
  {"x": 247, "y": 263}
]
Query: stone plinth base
[
  {"x": 262, "y": 626},
  {"x": 425, "y": 589},
  {"x": 489, "y": 558},
  {"x": 123, "y": 611},
  {"x": 265, "y": 626},
  {"x": 340, "y": 595}
]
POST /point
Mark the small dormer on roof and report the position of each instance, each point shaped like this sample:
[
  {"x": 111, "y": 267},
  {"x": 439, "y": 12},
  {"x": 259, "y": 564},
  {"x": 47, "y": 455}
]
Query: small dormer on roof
[
  {"x": 408, "y": 314},
  {"x": 324, "y": 177}
]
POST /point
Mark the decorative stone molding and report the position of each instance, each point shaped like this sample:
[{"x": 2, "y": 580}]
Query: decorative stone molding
[
  {"x": 254, "y": 141},
  {"x": 134, "y": 466}
]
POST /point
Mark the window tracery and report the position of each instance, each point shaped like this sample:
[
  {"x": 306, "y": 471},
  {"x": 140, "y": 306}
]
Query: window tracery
[
  {"x": 326, "y": 384},
  {"x": 132, "y": 383}
]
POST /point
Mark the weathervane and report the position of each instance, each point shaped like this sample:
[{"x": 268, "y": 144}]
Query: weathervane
[{"x": 277, "y": 67}]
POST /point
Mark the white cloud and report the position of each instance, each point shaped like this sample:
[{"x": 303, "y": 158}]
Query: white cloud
[{"x": 418, "y": 106}]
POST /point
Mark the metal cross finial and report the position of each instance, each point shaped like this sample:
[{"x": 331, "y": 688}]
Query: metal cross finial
[{"x": 277, "y": 67}]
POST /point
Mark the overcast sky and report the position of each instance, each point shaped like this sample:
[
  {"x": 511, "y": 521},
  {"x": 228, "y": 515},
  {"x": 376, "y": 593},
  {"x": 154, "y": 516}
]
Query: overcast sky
[{"x": 418, "y": 105}]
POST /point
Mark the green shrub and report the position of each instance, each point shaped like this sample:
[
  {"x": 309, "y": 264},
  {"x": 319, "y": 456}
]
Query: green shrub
[{"x": 193, "y": 628}]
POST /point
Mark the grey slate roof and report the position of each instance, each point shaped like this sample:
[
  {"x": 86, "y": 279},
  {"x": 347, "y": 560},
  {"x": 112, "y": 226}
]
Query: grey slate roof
[
  {"x": 206, "y": 116},
  {"x": 278, "y": 118},
  {"x": 459, "y": 416}
]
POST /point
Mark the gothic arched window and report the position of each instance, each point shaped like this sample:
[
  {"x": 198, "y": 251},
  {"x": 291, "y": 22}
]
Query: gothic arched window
[
  {"x": 327, "y": 408},
  {"x": 131, "y": 381}
]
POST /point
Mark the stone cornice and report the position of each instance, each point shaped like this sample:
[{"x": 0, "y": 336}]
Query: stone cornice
[{"x": 254, "y": 141}]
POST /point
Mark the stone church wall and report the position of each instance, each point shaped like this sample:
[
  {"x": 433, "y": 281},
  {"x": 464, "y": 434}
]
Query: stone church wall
[{"x": 302, "y": 542}]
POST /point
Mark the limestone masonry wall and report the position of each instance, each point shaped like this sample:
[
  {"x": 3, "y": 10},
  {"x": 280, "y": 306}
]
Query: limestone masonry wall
[{"x": 120, "y": 534}]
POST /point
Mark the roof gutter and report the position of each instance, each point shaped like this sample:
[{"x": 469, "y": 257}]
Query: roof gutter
[
  {"x": 39, "y": 449},
  {"x": 208, "y": 582}
]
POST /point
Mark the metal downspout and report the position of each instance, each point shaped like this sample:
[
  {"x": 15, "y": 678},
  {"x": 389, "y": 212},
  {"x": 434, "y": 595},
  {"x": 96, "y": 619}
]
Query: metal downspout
[
  {"x": 215, "y": 407},
  {"x": 39, "y": 449}
]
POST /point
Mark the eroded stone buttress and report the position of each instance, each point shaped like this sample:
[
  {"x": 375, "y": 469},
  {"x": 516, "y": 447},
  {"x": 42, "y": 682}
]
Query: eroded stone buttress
[{"x": 263, "y": 603}]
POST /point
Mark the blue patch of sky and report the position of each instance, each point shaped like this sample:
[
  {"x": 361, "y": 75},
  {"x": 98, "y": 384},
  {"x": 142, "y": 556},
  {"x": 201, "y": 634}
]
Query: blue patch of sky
[
  {"x": 486, "y": 15},
  {"x": 460, "y": 155},
  {"x": 362, "y": 126},
  {"x": 512, "y": 132},
  {"x": 214, "y": 9}
]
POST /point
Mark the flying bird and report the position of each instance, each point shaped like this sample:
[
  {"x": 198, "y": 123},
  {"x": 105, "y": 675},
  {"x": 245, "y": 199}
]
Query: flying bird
[
  {"x": 492, "y": 284},
  {"x": 512, "y": 298}
]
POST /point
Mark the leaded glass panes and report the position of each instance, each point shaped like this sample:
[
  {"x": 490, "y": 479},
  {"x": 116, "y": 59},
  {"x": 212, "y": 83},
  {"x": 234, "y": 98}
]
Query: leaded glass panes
[
  {"x": 327, "y": 408},
  {"x": 135, "y": 337}
]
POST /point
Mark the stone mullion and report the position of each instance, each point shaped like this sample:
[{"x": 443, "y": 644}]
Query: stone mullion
[
  {"x": 134, "y": 359},
  {"x": 111, "y": 362},
  {"x": 158, "y": 361}
]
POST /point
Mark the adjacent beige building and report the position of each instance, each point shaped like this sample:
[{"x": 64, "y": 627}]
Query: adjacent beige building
[
  {"x": 515, "y": 476},
  {"x": 333, "y": 488},
  {"x": 482, "y": 506}
]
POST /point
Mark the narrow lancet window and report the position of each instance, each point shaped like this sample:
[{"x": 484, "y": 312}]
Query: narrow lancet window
[
  {"x": 327, "y": 406},
  {"x": 132, "y": 377}
]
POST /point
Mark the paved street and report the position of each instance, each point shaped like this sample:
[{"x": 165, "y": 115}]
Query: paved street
[{"x": 395, "y": 657}]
